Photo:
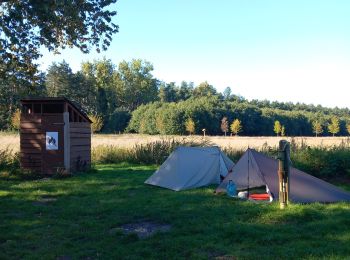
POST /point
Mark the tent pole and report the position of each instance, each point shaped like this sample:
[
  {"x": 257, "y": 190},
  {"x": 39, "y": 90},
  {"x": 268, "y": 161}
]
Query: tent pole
[{"x": 248, "y": 170}]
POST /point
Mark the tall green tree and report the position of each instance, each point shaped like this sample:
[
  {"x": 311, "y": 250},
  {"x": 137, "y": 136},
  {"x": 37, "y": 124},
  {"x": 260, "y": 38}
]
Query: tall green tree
[
  {"x": 227, "y": 93},
  {"x": 62, "y": 82},
  {"x": 317, "y": 127},
  {"x": 135, "y": 84},
  {"x": 106, "y": 92},
  {"x": 27, "y": 25},
  {"x": 11, "y": 91},
  {"x": 185, "y": 91},
  {"x": 204, "y": 89},
  {"x": 84, "y": 93},
  {"x": 168, "y": 92},
  {"x": 59, "y": 80},
  {"x": 334, "y": 126},
  {"x": 99, "y": 74},
  {"x": 277, "y": 128}
]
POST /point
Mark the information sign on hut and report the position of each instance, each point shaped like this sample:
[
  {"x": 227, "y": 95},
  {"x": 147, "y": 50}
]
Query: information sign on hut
[{"x": 55, "y": 136}]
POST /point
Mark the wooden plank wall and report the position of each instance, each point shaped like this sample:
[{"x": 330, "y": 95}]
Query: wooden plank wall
[
  {"x": 80, "y": 145},
  {"x": 31, "y": 140},
  {"x": 52, "y": 160}
]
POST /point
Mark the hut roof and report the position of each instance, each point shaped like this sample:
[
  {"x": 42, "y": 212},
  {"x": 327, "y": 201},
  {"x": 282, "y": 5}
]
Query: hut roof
[{"x": 55, "y": 100}]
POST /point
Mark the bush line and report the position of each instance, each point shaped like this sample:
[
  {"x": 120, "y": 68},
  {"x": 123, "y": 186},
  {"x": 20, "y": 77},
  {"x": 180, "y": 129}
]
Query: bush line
[{"x": 323, "y": 162}]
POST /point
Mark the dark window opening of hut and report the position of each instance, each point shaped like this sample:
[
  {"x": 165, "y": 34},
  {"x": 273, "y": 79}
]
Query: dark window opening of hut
[
  {"x": 52, "y": 108},
  {"x": 27, "y": 109},
  {"x": 37, "y": 108}
]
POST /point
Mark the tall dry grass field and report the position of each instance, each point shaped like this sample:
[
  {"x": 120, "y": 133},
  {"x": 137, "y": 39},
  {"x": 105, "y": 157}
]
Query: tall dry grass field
[
  {"x": 11, "y": 140},
  {"x": 236, "y": 143}
]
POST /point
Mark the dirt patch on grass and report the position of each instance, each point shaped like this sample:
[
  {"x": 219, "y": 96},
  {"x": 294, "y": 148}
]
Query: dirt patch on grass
[
  {"x": 64, "y": 257},
  {"x": 45, "y": 179},
  {"x": 225, "y": 257},
  {"x": 145, "y": 229},
  {"x": 44, "y": 200},
  {"x": 109, "y": 187}
]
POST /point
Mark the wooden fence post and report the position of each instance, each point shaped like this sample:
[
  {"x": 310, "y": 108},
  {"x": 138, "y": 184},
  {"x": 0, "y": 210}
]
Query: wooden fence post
[{"x": 283, "y": 173}]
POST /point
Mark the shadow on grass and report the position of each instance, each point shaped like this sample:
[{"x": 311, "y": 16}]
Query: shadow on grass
[{"x": 87, "y": 207}]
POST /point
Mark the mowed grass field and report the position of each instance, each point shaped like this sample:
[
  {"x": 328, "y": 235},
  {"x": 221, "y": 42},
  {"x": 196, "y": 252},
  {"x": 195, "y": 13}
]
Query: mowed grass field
[
  {"x": 110, "y": 213},
  {"x": 11, "y": 140}
]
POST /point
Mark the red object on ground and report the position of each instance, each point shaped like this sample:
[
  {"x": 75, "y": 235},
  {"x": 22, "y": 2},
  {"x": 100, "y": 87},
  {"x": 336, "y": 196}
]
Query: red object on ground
[{"x": 263, "y": 196}]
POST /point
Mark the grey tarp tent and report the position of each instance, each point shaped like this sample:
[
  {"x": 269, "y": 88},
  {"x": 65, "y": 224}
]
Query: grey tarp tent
[
  {"x": 262, "y": 171},
  {"x": 191, "y": 167}
]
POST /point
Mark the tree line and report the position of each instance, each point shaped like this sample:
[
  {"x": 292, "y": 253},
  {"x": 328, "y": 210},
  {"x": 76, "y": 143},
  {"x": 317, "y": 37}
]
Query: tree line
[
  {"x": 217, "y": 116},
  {"x": 128, "y": 98}
]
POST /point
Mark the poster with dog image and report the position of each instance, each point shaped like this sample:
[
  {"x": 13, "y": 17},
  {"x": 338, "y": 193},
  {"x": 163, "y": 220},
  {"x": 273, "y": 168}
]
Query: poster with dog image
[{"x": 51, "y": 140}]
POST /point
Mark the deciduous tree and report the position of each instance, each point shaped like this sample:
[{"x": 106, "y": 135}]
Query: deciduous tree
[
  {"x": 317, "y": 127},
  {"x": 334, "y": 127},
  {"x": 277, "y": 128},
  {"x": 204, "y": 90},
  {"x": 27, "y": 25},
  {"x": 62, "y": 82},
  {"x": 224, "y": 125},
  {"x": 236, "y": 127},
  {"x": 190, "y": 126},
  {"x": 11, "y": 91},
  {"x": 135, "y": 84},
  {"x": 283, "y": 131}
]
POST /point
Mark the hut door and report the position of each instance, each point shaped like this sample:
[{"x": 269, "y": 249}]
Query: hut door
[{"x": 53, "y": 146}]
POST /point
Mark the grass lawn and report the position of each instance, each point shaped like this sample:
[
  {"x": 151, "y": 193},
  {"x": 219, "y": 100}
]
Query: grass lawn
[{"x": 84, "y": 217}]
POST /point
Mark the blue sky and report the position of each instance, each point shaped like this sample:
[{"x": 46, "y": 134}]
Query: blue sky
[{"x": 296, "y": 51}]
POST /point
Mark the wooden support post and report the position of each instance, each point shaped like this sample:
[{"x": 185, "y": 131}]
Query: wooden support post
[
  {"x": 283, "y": 173},
  {"x": 66, "y": 134}
]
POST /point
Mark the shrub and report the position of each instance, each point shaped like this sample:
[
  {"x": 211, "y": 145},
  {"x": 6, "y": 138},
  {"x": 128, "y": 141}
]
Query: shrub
[
  {"x": 117, "y": 121},
  {"x": 150, "y": 153},
  {"x": 8, "y": 159},
  {"x": 323, "y": 162},
  {"x": 16, "y": 119},
  {"x": 10, "y": 167},
  {"x": 97, "y": 123},
  {"x": 9, "y": 163}
]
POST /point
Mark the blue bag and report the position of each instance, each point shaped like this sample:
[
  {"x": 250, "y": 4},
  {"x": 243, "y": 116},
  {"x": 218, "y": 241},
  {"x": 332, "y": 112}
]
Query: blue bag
[{"x": 231, "y": 189}]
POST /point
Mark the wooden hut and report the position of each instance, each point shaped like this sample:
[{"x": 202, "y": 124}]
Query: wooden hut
[{"x": 55, "y": 135}]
